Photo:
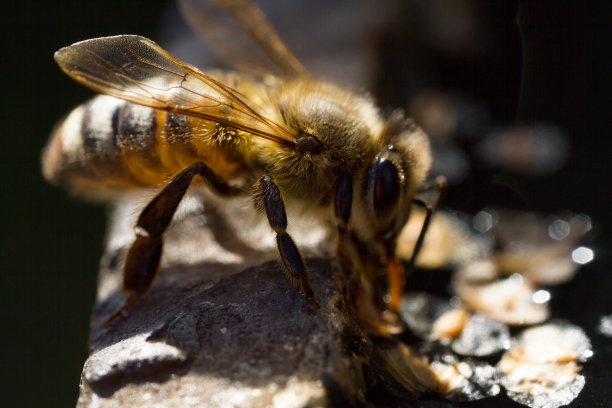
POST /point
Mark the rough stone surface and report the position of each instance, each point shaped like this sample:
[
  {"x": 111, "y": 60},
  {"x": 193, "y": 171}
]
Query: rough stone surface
[{"x": 222, "y": 328}]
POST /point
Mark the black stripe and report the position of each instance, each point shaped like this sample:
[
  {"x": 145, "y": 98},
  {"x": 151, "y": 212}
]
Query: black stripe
[
  {"x": 132, "y": 132},
  {"x": 177, "y": 127},
  {"x": 116, "y": 119}
]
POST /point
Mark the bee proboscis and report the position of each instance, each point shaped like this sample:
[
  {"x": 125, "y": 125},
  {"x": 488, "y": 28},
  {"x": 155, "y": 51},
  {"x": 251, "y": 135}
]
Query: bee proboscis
[{"x": 282, "y": 139}]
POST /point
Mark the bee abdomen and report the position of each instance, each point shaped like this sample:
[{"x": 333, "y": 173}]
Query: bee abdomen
[{"x": 107, "y": 144}]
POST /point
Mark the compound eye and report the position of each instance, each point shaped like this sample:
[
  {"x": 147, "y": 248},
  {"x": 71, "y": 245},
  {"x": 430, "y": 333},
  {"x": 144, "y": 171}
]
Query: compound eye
[{"x": 387, "y": 188}]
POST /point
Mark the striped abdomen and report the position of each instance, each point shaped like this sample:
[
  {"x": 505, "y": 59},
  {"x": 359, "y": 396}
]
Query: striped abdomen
[{"x": 107, "y": 145}]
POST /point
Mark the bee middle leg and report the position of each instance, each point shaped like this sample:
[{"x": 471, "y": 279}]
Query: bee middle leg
[
  {"x": 142, "y": 263},
  {"x": 290, "y": 257}
]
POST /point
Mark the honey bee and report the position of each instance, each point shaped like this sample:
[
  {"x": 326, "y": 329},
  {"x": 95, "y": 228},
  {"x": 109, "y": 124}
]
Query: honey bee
[{"x": 286, "y": 138}]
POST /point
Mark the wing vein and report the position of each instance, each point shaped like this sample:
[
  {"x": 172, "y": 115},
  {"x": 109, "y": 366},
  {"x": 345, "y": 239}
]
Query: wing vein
[{"x": 138, "y": 70}]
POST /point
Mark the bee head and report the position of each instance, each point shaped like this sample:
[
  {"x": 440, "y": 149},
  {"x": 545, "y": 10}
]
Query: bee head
[
  {"x": 381, "y": 195},
  {"x": 384, "y": 192}
]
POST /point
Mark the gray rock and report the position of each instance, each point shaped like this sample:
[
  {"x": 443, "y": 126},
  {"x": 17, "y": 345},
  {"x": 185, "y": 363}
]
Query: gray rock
[{"x": 219, "y": 330}]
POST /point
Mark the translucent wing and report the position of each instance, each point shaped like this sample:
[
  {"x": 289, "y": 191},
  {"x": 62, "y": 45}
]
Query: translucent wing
[
  {"x": 240, "y": 33},
  {"x": 138, "y": 70}
]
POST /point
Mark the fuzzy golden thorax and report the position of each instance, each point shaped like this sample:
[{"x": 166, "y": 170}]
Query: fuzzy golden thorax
[{"x": 346, "y": 128}]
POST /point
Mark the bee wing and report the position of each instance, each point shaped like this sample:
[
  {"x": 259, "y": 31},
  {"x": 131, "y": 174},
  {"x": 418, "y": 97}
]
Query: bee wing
[
  {"x": 138, "y": 70},
  {"x": 239, "y": 33}
]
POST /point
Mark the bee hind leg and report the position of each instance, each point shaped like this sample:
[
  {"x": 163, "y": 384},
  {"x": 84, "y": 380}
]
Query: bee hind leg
[
  {"x": 143, "y": 258},
  {"x": 290, "y": 256}
]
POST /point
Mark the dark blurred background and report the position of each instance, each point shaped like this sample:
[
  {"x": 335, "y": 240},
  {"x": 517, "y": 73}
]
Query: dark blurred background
[{"x": 534, "y": 76}]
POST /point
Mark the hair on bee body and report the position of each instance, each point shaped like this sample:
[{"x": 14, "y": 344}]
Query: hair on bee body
[{"x": 283, "y": 139}]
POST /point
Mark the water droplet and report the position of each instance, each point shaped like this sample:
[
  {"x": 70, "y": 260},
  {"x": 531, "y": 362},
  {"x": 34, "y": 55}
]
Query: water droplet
[
  {"x": 482, "y": 222},
  {"x": 516, "y": 278},
  {"x": 582, "y": 255},
  {"x": 558, "y": 229},
  {"x": 605, "y": 326},
  {"x": 541, "y": 296},
  {"x": 582, "y": 223}
]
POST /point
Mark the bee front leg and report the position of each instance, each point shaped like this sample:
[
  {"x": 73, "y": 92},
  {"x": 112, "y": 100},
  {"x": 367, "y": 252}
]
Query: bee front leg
[
  {"x": 290, "y": 257},
  {"x": 437, "y": 186},
  {"x": 371, "y": 318},
  {"x": 343, "y": 200},
  {"x": 143, "y": 258}
]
